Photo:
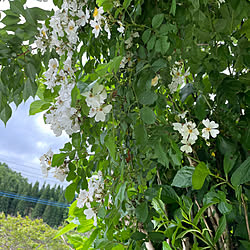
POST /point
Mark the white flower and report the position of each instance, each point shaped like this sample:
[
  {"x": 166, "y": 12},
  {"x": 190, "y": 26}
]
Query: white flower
[
  {"x": 53, "y": 64},
  {"x": 136, "y": 34},
  {"x": 83, "y": 17},
  {"x": 220, "y": 2},
  {"x": 98, "y": 14},
  {"x": 96, "y": 27},
  {"x": 177, "y": 77},
  {"x": 210, "y": 129},
  {"x": 189, "y": 131},
  {"x": 186, "y": 148},
  {"x": 106, "y": 28},
  {"x": 82, "y": 198},
  {"x": 60, "y": 173},
  {"x": 96, "y": 98},
  {"x": 129, "y": 42},
  {"x": 183, "y": 115},
  {"x": 100, "y": 113},
  {"x": 90, "y": 214},
  {"x": 178, "y": 127},
  {"x": 121, "y": 28}
]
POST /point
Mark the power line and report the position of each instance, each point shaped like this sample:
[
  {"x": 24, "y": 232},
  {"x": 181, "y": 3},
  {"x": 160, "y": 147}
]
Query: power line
[{"x": 32, "y": 199}]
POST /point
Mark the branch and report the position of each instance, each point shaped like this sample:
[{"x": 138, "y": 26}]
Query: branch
[
  {"x": 246, "y": 216},
  {"x": 66, "y": 243}
]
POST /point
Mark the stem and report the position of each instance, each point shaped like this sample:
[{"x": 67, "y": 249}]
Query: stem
[
  {"x": 246, "y": 216},
  {"x": 225, "y": 181},
  {"x": 207, "y": 101}
]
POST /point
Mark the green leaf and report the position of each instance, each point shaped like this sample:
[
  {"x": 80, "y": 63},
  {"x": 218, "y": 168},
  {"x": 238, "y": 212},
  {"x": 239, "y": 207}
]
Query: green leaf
[
  {"x": 157, "y": 20},
  {"x": 70, "y": 191},
  {"x": 6, "y": 113},
  {"x": 229, "y": 161},
  {"x": 121, "y": 193},
  {"x": 183, "y": 177},
  {"x": 195, "y": 3},
  {"x": 221, "y": 228},
  {"x": 65, "y": 229},
  {"x": 148, "y": 115},
  {"x": 161, "y": 154},
  {"x": 242, "y": 174},
  {"x": 164, "y": 44},
  {"x": 75, "y": 95},
  {"x": 200, "y": 213},
  {"x": 90, "y": 240},
  {"x": 110, "y": 144},
  {"x": 126, "y": 3},
  {"x": 166, "y": 246},
  {"x": 200, "y": 173},
  {"x": 201, "y": 109},
  {"x": 151, "y": 43},
  {"x": 38, "y": 106},
  {"x": 159, "y": 207},
  {"x": 76, "y": 140},
  {"x": 173, "y": 7},
  {"x": 147, "y": 97},
  {"x": 156, "y": 236},
  {"x": 140, "y": 134},
  {"x": 159, "y": 64},
  {"x": 29, "y": 89},
  {"x": 168, "y": 195},
  {"x": 58, "y": 159},
  {"x": 10, "y": 20},
  {"x": 146, "y": 35},
  {"x": 141, "y": 212},
  {"x": 17, "y": 7},
  {"x": 85, "y": 226},
  {"x": 138, "y": 236}
]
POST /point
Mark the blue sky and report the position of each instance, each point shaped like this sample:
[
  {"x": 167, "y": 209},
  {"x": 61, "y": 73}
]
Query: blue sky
[{"x": 24, "y": 139}]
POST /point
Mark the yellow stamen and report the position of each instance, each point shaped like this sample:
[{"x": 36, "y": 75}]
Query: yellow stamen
[
  {"x": 95, "y": 12},
  {"x": 43, "y": 32},
  {"x": 97, "y": 27},
  {"x": 49, "y": 162}
]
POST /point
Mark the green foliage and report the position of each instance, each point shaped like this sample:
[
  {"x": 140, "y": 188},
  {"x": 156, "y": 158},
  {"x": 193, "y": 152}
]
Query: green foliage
[
  {"x": 24, "y": 233},
  {"x": 174, "y": 149}
]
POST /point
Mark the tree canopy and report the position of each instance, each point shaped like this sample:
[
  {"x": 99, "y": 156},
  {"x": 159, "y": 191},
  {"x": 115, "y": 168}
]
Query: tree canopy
[{"x": 154, "y": 96}]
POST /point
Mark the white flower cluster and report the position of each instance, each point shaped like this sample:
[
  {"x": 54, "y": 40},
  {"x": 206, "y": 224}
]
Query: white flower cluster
[
  {"x": 98, "y": 22},
  {"x": 94, "y": 193},
  {"x": 60, "y": 172},
  {"x": 63, "y": 26},
  {"x": 61, "y": 115},
  {"x": 178, "y": 77},
  {"x": 95, "y": 100},
  {"x": 190, "y": 133}
]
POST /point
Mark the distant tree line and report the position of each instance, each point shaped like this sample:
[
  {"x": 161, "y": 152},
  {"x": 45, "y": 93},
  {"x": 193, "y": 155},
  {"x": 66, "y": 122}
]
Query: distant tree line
[{"x": 12, "y": 181}]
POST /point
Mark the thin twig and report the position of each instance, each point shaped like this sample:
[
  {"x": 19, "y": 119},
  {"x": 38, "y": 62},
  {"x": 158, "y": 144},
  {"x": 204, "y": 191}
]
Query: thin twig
[
  {"x": 203, "y": 218},
  {"x": 246, "y": 216},
  {"x": 66, "y": 243}
]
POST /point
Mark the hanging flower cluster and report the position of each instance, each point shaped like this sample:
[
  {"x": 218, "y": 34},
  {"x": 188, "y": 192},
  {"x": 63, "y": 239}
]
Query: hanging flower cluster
[
  {"x": 61, "y": 115},
  {"x": 60, "y": 172},
  {"x": 94, "y": 193},
  {"x": 178, "y": 77},
  {"x": 95, "y": 100},
  {"x": 190, "y": 133}
]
